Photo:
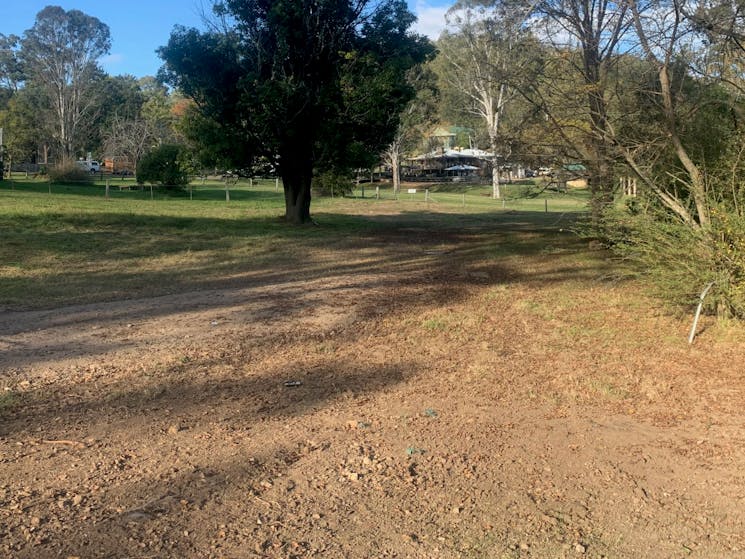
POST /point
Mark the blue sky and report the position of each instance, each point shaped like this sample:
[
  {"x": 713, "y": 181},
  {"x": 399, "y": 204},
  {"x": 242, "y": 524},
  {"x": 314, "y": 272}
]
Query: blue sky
[{"x": 138, "y": 27}]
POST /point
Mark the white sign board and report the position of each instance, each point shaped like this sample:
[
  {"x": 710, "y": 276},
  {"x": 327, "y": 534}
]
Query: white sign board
[{"x": 412, "y": 191}]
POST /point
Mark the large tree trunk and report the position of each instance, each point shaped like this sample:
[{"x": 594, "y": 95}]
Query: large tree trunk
[
  {"x": 296, "y": 179},
  {"x": 392, "y": 155},
  {"x": 696, "y": 182},
  {"x": 600, "y": 181},
  {"x": 396, "y": 174},
  {"x": 663, "y": 60}
]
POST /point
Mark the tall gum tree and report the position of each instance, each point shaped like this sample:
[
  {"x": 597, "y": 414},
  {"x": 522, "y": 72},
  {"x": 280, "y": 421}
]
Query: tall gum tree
[
  {"x": 594, "y": 29},
  {"x": 307, "y": 84},
  {"x": 483, "y": 56},
  {"x": 60, "y": 55}
]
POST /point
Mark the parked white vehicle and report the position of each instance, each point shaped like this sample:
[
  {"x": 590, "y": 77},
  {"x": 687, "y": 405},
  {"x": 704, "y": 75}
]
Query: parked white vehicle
[{"x": 89, "y": 165}]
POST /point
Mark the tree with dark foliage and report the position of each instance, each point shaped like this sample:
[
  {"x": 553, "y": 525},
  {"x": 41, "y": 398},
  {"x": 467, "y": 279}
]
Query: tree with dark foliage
[{"x": 311, "y": 85}]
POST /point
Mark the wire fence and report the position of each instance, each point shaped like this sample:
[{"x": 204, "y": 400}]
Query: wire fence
[
  {"x": 523, "y": 197},
  {"x": 434, "y": 197}
]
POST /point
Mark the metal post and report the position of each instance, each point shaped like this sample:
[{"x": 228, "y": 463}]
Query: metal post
[{"x": 698, "y": 312}]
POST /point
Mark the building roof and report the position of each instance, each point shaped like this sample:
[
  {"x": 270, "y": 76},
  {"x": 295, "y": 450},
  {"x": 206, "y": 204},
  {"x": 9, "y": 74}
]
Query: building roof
[{"x": 467, "y": 153}]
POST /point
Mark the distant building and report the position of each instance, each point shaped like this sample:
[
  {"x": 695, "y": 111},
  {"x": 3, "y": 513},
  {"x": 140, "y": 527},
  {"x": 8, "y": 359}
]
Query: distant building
[
  {"x": 446, "y": 156},
  {"x": 452, "y": 162}
]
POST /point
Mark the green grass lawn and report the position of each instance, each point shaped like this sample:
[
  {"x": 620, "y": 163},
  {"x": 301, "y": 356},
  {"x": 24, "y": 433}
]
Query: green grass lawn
[{"x": 74, "y": 245}]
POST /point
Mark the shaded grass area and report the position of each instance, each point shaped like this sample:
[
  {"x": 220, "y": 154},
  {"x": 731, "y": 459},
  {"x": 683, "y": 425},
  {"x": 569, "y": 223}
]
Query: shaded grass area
[{"x": 76, "y": 246}]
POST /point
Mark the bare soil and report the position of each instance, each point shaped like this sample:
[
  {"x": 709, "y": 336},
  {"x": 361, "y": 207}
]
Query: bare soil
[{"x": 448, "y": 401}]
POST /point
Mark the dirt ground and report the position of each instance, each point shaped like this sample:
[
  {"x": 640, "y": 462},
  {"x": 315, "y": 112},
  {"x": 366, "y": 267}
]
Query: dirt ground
[{"x": 448, "y": 402}]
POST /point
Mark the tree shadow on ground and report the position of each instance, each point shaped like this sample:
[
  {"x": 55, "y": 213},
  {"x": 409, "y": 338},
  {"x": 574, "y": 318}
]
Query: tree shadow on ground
[
  {"x": 142, "y": 494},
  {"x": 290, "y": 252},
  {"x": 388, "y": 254},
  {"x": 171, "y": 494},
  {"x": 187, "y": 389}
]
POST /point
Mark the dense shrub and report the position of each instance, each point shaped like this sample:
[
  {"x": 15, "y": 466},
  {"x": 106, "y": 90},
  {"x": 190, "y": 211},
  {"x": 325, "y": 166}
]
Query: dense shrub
[
  {"x": 332, "y": 183},
  {"x": 165, "y": 166},
  {"x": 69, "y": 173},
  {"x": 679, "y": 261}
]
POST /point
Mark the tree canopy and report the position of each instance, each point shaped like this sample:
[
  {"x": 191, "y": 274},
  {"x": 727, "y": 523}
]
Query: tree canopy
[
  {"x": 60, "y": 53},
  {"x": 311, "y": 85}
]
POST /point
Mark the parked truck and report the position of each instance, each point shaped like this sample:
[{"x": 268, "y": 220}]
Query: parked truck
[{"x": 89, "y": 165}]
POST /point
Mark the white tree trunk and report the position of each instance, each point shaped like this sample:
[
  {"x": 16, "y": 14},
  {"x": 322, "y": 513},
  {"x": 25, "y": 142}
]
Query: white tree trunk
[
  {"x": 392, "y": 155},
  {"x": 396, "y": 172}
]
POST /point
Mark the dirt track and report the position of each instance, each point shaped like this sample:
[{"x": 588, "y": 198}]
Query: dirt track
[{"x": 449, "y": 406}]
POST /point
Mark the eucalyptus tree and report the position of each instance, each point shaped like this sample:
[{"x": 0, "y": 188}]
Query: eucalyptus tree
[
  {"x": 60, "y": 56},
  {"x": 585, "y": 37},
  {"x": 485, "y": 55},
  {"x": 306, "y": 84}
]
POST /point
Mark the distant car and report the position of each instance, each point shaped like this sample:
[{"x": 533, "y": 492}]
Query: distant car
[{"x": 90, "y": 166}]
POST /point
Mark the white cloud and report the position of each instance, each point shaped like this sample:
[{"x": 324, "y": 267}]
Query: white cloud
[{"x": 431, "y": 19}]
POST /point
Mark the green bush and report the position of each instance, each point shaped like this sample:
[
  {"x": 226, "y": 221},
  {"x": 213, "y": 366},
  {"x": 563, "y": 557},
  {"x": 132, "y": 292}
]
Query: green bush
[
  {"x": 69, "y": 173},
  {"x": 332, "y": 183},
  {"x": 679, "y": 261},
  {"x": 165, "y": 166}
]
